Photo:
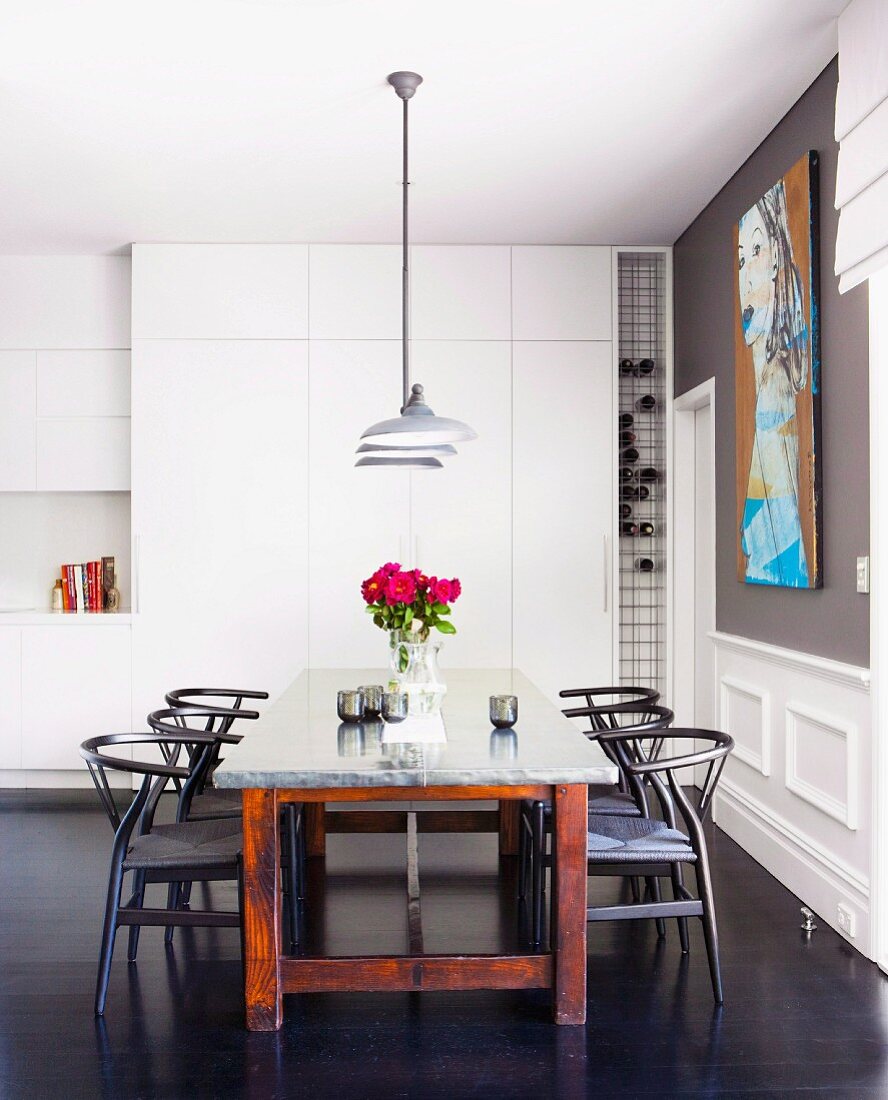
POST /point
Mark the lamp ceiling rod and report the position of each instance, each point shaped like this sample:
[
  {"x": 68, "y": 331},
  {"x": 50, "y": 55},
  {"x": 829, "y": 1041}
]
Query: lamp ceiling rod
[
  {"x": 405, "y": 274},
  {"x": 405, "y": 84}
]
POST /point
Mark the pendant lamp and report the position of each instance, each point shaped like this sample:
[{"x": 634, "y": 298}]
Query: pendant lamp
[{"x": 417, "y": 439}]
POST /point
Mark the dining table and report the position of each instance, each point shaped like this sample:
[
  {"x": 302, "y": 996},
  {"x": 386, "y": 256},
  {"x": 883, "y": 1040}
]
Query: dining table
[{"x": 299, "y": 752}]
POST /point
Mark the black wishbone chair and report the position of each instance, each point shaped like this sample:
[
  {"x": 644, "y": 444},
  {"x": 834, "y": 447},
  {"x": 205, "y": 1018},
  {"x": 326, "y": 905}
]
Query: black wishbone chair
[
  {"x": 200, "y": 802},
  {"x": 206, "y": 851},
  {"x": 628, "y": 798},
  {"x": 648, "y": 847}
]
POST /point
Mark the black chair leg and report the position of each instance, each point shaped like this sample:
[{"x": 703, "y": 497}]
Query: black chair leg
[
  {"x": 538, "y": 869},
  {"x": 174, "y": 895},
  {"x": 636, "y": 893},
  {"x": 710, "y": 930},
  {"x": 109, "y": 932},
  {"x": 677, "y": 885},
  {"x": 135, "y": 929},
  {"x": 653, "y": 885}
]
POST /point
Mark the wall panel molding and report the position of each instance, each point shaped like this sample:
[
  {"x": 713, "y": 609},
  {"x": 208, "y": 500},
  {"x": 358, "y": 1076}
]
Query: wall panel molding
[
  {"x": 853, "y": 676},
  {"x": 729, "y": 688},
  {"x": 845, "y": 810}
]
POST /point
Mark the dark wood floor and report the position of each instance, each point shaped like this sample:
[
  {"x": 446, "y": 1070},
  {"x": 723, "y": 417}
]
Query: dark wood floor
[{"x": 801, "y": 1015}]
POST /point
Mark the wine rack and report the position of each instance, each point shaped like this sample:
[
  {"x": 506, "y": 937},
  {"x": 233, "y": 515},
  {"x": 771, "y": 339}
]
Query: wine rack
[{"x": 642, "y": 387}]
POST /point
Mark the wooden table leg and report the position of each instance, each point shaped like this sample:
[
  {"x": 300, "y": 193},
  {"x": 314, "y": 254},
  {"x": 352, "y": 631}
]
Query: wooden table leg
[
  {"x": 509, "y": 824},
  {"x": 315, "y": 829},
  {"x": 262, "y": 910},
  {"x": 569, "y": 903}
]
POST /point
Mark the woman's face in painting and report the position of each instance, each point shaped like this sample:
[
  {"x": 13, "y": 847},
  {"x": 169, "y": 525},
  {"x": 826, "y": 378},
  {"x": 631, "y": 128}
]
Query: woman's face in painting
[{"x": 756, "y": 260}]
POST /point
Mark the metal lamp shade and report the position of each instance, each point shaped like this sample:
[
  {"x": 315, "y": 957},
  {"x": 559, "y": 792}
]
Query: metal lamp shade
[
  {"x": 443, "y": 450},
  {"x": 398, "y": 463},
  {"x": 417, "y": 426}
]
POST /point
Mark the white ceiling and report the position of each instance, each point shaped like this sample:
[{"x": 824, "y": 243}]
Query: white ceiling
[{"x": 592, "y": 121}]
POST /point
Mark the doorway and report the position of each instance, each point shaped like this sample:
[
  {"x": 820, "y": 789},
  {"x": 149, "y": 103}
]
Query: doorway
[{"x": 693, "y": 554}]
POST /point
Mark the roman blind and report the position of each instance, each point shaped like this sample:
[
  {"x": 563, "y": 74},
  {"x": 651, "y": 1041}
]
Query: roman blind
[{"x": 862, "y": 133}]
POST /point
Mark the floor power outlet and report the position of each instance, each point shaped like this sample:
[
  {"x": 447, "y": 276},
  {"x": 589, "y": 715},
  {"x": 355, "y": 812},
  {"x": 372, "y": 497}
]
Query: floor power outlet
[{"x": 847, "y": 920}]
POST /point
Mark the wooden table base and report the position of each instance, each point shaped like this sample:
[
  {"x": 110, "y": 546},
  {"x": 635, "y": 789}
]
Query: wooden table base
[{"x": 269, "y": 974}]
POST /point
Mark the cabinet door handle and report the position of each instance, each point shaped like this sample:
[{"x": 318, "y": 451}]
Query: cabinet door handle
[
  {"x": 606, "y": 571},
  {"x": 136, "y": 573}
]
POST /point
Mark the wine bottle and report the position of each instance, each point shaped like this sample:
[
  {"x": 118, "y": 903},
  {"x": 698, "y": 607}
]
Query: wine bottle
[
  {"x": 628, "y": 528},
  {"x": 630, "y": 455},
  {"x": 649, "y": 473},
  {"x": 645, "y": 565},
  {"x": 625, "y": 511},
  {"x": 626, "y": 420},
  {"x": 627, "y": 366},
  {"x": 642, "y": 492},
  {"x": 647, "y": 403},
  {"x": 645, "y": 529},
  {"x": 627, "y": 473},
  {"x": 646, "y": 366},
  {"x": 627, "y": 437},
  {"x": 634, "y": 492}
]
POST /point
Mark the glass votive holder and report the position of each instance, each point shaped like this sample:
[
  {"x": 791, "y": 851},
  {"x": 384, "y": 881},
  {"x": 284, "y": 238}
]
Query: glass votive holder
[
  {"x": 394, "y": 706},
  {"x": 350, "y": 705},
  {"x": 503, "y": 711},
  {"x": 372, "y": 698}
]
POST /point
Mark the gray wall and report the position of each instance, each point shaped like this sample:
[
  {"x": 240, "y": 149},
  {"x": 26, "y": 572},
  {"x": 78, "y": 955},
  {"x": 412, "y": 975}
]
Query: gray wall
[{"x": 832, "y": 621}]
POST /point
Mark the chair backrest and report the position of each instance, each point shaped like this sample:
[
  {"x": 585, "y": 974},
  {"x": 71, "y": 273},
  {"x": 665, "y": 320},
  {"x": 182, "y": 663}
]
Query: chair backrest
[
  {"x": 609, "y": 697},
  {"x": 638, "y": 763},
  {"x": 203, "y": 697},
  {"x": 183, "y": 721},
  {"x": 155, "y": 773}
]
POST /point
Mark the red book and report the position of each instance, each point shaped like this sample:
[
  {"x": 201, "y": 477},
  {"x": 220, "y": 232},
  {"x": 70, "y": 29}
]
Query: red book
[
  {"x": 65, "y": 604},
  {"x": 91, "y": 582},
  {"x": 97, "y": 584}
]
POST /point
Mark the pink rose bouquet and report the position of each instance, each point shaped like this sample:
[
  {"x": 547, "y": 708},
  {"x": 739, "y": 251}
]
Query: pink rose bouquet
[{"x": 408, "y": 600}]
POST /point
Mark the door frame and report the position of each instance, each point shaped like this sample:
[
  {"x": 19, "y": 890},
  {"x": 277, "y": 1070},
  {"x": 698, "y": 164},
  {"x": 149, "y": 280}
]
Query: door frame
[{"x": 682, "y": 549}]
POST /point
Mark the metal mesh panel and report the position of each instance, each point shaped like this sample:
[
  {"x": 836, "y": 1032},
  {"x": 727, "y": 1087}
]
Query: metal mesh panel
[{"x": 642, "y": 595}]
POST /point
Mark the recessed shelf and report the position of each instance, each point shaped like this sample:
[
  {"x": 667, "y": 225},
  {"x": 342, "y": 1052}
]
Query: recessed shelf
[{"x": 19, "y": 617}]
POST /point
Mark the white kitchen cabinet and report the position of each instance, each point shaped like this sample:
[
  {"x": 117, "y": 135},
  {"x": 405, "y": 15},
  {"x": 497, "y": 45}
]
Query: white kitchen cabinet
[
  {"x": 563, "y": 520},
  {"x": 561, "y": 292},
  {"x": 354, "y": 291},
  {"x": 83, "y": 383},
  {"x": 462, "y": 515},
  {"x": 75, "y": 683},
  {"x": 83, "y": 453},
  {"x": 220, "y": 291},
  {"x": 460, "y": 292},
  {"x": 219, "y": 515},
  {"x": 18, "y": 399},
  {"x": 358, "y": 517},
  {"x": 11, "y": 694}
]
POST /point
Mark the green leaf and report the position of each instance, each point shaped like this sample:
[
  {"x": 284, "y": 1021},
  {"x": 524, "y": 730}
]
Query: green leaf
[
  {"x": 380, "y": 622},
  {"x": 446, "y": 627},
  {"x": 441, "y": 609},
  {"x": 372, "y": 609},
  {"x": 408, "y": 616}
]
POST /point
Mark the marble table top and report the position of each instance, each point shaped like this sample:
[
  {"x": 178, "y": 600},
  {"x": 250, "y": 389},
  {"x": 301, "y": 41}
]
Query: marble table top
[{"x": 300, "y": 742}]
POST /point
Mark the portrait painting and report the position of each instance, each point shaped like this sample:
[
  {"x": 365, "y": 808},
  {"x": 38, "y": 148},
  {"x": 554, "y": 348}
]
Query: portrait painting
[{"x": 777, "y": 376}]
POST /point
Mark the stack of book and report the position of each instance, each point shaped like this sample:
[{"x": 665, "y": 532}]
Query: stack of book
[{"x": 88, "y": 586}]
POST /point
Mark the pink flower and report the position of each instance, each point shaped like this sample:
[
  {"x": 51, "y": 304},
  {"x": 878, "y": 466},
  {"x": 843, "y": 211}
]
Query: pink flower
[
  {"x": 390, "y": 567},
  {"x": 422, "y": 581},
  {"x": 373, "y": 587},
  {"x": 400, "y": 588},
  {"x": 445, "y": 591}
]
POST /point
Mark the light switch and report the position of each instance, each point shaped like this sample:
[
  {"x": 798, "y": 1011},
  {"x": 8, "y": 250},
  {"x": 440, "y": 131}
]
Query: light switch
[{"x": 863, "y": 575}]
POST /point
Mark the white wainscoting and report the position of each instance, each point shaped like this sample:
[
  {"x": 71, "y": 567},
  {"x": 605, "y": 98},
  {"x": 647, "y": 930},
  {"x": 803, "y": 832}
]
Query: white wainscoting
[{"x": 796, "y": 791}]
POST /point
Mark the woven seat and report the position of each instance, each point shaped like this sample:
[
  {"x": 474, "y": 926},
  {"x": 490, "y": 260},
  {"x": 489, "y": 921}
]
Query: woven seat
[
  {"x": 215, "y": 803},
  {"x": 638, "y": 839},
  {"x": 190, "y": 844},
  {"x": 605, "y": 799}
]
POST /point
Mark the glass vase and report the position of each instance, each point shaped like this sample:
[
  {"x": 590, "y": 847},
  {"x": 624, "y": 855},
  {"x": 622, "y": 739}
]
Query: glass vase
[{"x": 414, "y": 664}]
